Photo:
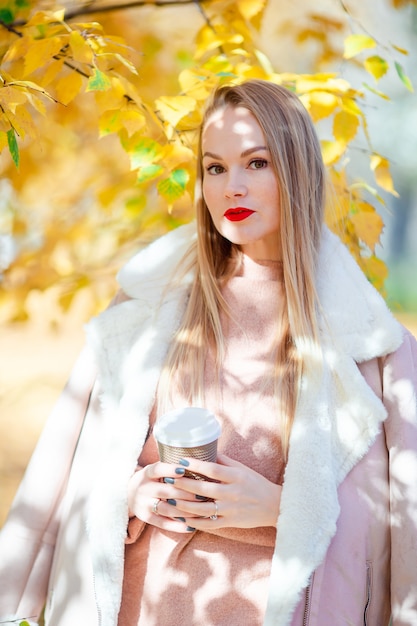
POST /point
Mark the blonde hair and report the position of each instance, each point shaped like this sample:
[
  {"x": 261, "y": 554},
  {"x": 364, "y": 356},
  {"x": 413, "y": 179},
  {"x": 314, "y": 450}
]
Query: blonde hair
[{"x": 297, "y": 162}]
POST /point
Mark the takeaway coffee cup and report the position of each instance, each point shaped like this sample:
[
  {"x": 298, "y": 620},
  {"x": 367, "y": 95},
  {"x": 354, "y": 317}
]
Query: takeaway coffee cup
[{"x": 189, "y": 431}]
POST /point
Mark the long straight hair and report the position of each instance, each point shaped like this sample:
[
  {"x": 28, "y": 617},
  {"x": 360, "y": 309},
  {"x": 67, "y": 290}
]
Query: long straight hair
[{"x": 298, "y": 165}]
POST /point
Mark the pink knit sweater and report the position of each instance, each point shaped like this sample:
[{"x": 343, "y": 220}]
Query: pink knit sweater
[{"x": 219, "y": 578}]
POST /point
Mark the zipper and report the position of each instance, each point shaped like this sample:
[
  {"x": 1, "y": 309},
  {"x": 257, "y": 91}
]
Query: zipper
[
  {"x": 368, "y": 592},
  {"x": 307, "y": 606}
]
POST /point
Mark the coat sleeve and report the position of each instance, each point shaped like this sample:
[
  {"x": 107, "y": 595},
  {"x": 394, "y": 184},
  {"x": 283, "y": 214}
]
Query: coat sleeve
[
  {"x": 28, "y": 536},
  {"x": 400, "y": 399}
]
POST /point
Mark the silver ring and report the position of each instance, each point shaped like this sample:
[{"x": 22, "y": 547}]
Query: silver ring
[
  {"x": 155, "y": 506},
  {"x": 214, "y": 516}
]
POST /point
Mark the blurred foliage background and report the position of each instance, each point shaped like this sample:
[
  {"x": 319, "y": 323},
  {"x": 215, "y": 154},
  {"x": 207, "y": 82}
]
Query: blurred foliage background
[{"x": 99, "y": 105}]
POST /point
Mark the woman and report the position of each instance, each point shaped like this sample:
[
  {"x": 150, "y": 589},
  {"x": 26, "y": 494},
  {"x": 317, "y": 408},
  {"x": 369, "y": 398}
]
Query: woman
[{"x": 263, "y": 317}]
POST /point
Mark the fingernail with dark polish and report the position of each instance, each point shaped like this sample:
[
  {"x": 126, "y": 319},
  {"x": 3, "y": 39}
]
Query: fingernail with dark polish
[
  {"x": 180, "y": 519},
  {"x": 172, "y": 501},
  {"x": 184, "y": 462},
  {"x": 169, "y": 480},
  {"x": 200, "y": 497},
  {"x": 190, "y": 529},
  {"x": 180, "y": 470}
]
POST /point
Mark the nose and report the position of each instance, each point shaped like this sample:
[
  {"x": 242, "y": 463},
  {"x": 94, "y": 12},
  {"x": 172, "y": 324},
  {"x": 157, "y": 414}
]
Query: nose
[{"x": 235, "y": 185}]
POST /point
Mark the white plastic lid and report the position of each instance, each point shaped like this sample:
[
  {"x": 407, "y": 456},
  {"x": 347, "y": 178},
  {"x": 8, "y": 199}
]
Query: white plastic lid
[{"x": 187, "y": 427}]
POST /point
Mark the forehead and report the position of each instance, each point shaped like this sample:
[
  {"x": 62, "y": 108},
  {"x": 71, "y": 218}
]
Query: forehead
[{"x": 236, "y": 123}]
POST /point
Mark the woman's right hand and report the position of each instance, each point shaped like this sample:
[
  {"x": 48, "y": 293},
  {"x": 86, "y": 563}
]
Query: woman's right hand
[{"x": 150, "y": 491}]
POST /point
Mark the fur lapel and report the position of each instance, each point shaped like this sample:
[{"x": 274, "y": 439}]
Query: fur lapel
[
  {"x": 338, "y": 416},
  {"x": 130, "y": 342}
]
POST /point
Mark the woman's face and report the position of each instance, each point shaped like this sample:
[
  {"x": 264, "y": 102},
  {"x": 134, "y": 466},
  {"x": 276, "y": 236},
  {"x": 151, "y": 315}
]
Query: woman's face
[{"x": 239, "y": 184}]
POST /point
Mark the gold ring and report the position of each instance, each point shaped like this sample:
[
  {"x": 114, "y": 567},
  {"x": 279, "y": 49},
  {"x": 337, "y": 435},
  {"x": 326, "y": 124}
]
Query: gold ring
[
  {"x": 155, "y": 506},
  {"x": 214, "y": 516}
]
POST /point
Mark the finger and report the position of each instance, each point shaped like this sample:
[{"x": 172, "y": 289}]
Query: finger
[
  {"x": 213, "y": 471},
  {"x": 199, "y": 510},
  {"x": 160, "y": 470},
  {"x": 179, "y": 525}
]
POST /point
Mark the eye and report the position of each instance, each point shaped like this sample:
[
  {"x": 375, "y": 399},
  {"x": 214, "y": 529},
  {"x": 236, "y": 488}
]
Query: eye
[
  {"x": 215, "y": 169},
  {"x": 258, "y": 164}
]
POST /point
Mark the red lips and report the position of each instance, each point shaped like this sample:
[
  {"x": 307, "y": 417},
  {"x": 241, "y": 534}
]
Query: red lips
[{"x": 238, "y": 214}]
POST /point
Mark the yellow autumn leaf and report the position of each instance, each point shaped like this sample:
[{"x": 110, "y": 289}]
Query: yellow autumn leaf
[
  {"x": 81, "y": 51},
  {"x": 11, "y": 97},
  {"x": 196, "y": 84},
  {"x": 250, "y": 8},
  {"x": 332, "y": 151},
  {"x": 177, "y": 154},
  {"x": 320, "y": 104},
  {"x": 37, "y": 103},
  {"x": 174, "y": 108},
  {"x": 350, "y": 105},
  {"x": 40, "y": 53},
  {"x": 22, "y": 122},
  {"x": 400, "y": 50},
  {"x": 114, "y": 120},
  {"x": 376, "y": 66},
  {"x": 207, "y": 40},
  {"x": 376, "y": 271},
  {"x": 3, "y": 138},
  {"x": 18, "y": 49},
  {"x": 381, "y": 169},
  {"x": 4, "y": 126},
  {"x": 354, "y": 44},
  {"x": 43, "y": 18},
  {"x": 368, "y": 224},
  {"x": 51, "y": 72},
  {"x": 68, "y": 87},
  {"x": 264, "y": 62},
  {"x": 345, "y": 126},
  {"x": 322, "y": 82}
]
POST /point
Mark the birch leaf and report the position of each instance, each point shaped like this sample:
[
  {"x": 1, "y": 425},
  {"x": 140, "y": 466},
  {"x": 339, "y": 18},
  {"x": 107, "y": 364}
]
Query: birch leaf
[
  {"x": 368, "y": 224},
  {"x": 68, "y": 87},
  {"x": 354, "y": 44},
  {"x": 173, "y": 187},
  {"x": 404, "y": 78},
  {"x": 13, "y": 146},
  {"x": 81, "y": 51},
  {"x": 345, "y": 126},
  {"x": 174, "y": 108},
  {"x": 376, "y": 66},
  {"x": 332, "y": 151},
  {"x": 381, "y": 170},
  {"x": 99, "y": 81},
  {"x": 40, "y": 52}
]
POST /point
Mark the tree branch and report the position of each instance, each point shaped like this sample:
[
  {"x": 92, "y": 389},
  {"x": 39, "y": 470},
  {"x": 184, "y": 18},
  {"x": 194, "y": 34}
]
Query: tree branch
[{"x": 92, "y": 8}]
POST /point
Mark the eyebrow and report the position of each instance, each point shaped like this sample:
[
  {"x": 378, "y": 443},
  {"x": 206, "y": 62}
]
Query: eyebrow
[{"x": 243, "y": 154}]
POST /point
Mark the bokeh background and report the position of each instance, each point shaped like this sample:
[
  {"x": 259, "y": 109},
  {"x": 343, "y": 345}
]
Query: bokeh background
[{"x": 36, "y": 354}]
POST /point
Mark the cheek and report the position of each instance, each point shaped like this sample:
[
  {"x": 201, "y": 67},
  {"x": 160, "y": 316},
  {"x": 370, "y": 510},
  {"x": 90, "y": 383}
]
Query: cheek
[{"x": 209, "y": 192}]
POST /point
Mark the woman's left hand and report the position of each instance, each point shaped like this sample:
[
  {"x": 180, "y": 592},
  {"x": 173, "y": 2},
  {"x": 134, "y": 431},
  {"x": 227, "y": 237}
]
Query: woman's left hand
[{"x": 241, "y": 497}]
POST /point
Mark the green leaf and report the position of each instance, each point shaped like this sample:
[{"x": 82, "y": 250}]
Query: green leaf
[
  {"x": 404, "y": 78},
  {"x": 13, "y": 146},
  {"x": 98, "y": 81},
  {"x": 173, "y": 187},
  {"x": 145, "y": 153},
  {"x": 6, "y": 15},
  {"x": 149, "y": 172}
]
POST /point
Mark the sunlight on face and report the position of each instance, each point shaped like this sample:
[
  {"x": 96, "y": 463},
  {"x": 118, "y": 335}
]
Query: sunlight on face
[{"x": 239, "y": 184}]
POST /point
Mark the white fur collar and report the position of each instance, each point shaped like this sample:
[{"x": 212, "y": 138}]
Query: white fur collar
[{"x": 337, "y": 419}]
